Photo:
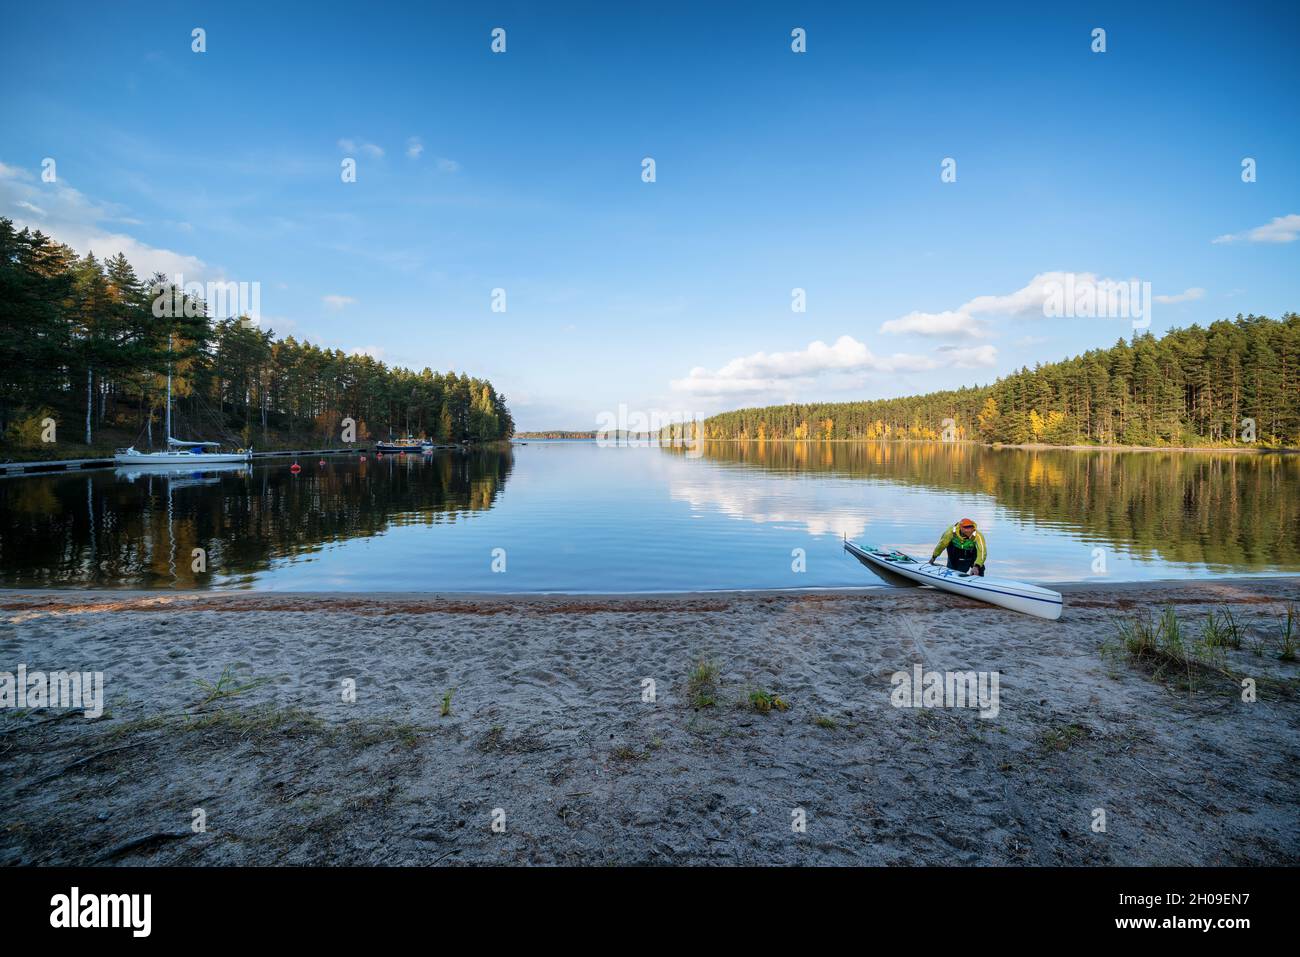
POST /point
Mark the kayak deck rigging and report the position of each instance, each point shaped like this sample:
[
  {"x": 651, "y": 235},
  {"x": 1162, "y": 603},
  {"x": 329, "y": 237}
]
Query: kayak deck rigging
[{"x": 898, "y": 568}]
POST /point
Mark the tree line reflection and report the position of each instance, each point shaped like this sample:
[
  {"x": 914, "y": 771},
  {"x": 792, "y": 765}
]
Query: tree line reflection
[
  {"x": 140, "y": 528},
  {"x": 1229, "y": 510}
]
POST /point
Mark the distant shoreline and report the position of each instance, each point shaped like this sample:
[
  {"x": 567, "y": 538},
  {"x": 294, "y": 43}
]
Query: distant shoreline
[
  {"x": 1027, "y": 446},
  {"x": 1030, "y": 446}
]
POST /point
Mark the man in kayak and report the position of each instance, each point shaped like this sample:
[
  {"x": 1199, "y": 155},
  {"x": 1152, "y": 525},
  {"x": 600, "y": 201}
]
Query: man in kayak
[{"x": 966, "y": 548}]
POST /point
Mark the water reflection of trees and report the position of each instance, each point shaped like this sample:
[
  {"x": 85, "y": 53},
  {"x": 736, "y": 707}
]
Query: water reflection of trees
[
  {"x": 1223, "y": 509},
  {"x": 140, "y": 530}
]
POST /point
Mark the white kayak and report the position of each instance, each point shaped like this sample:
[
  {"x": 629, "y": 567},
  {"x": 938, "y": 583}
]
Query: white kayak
[{"x": 895, "y": 567}]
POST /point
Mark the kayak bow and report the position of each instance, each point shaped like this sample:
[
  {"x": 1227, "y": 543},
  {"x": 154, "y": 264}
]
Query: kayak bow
[{"x": 1018, "y": 596}]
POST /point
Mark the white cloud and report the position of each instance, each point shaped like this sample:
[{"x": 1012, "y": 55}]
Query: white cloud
[
  {"x": 337, "y": 302},
  {"x": 974, "y": 357},
  {"x": 414, "y": 147},
  {"x": 146, "y": 259},
  {"x": 777, "y": 372},
  {"x": 64, "y": 213},
  {"x": 375, "y": 352},
  {"x": 1187, "y": 295},
  {"x": 1282, "y": 229},
  {"x": 970, "y": 320},
  {"x": 355, "y": 146},
  {"x": 448, "y": 165},
  {"x": 951, "y": 323}
]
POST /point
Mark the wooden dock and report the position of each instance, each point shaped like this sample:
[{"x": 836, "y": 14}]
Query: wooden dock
[
  {"x": 55, "y": 465},
  {"x": 68, "y": 465}
]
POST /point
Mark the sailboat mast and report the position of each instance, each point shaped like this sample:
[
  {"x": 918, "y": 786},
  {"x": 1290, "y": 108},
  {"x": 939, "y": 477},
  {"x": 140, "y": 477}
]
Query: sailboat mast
[{"x": 169, "y": 390}]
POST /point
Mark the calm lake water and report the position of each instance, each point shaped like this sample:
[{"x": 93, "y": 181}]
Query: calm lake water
[{"x": 571, "y": 516}]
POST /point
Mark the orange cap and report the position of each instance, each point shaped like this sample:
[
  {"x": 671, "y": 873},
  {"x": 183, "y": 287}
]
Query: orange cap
[{"x": 966, "y": 523}]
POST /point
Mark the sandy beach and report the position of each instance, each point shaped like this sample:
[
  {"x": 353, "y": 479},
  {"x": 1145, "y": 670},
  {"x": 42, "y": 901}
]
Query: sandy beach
[{"x": 555, "y": 736}]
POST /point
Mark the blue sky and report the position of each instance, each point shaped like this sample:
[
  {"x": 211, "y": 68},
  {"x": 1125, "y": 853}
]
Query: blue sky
[{"x": 774, "y": 171}]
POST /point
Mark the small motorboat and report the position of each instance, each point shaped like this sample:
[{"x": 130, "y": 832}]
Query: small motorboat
[{"x": 406, "y": 446}]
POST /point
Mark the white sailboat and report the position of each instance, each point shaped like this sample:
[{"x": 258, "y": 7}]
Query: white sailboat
[
  {"x": 187, "y": 455},
  {"x": 179, "y": 454}
]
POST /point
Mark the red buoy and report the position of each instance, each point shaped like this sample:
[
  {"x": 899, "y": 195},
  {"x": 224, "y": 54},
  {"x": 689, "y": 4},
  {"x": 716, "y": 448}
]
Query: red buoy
[
  {"x": 322, "y": 461},
  {"x": 295, "y": 468},
  {"x": 363, "y": 458}
]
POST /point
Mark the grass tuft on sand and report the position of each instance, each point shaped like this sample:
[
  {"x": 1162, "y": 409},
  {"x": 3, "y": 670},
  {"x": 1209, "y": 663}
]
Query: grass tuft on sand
[
  {"x": 1169, "y": 653},
  {"x": 226, "y": 686},
  {"x": 702, "y": 684},
  {"x": 763, "y": 701}
]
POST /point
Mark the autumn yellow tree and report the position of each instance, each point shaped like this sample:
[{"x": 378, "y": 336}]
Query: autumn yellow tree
[
  {"x": 1036, "y": 424},
  {"x": 988, "y": 418}
]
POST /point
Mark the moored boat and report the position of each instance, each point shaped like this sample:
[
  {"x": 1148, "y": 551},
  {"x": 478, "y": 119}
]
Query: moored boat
[
  {"x": 407, "y": 446},
  {"x": 180, "y": 454},
  {"x": 186, "y": 455}
]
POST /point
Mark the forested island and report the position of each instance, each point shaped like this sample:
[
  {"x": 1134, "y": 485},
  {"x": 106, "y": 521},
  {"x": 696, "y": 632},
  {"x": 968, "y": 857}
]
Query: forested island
[
  {"x": 556, "y": 434},
  {"x": 613, "y": 435},
  {"x": 81, "y": 344},
  {"x": 1236, "y": 383}
]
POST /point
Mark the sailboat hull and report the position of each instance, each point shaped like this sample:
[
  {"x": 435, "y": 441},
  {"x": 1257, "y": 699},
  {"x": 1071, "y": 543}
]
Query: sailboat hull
[
  {"x": 409, "y": 448},
  {"x": 179, "y": 460}
]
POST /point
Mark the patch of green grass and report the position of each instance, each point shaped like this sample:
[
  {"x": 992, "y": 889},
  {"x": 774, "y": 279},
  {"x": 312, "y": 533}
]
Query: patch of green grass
[
  {"x": 1220, "y": 630},
  {"x": 1060, "y": 737},
  {"x": 226, "y": 686},
  {"x": 1162, "y": 647},
  {"x": 371, "y": 733},
  {"x": 702, "y": 684},
  {"x": 764, "y": 702},
  {"x": 496, "y": 742},
  {"x": 822, "y": 721},
  {"x": 136, "y": 725},
  {"x": 625, "y": 753},
  {"x": 445, "y": 710},
  {"x": 253, "y": 722},
  {"x": 1290, "y": 635},
  {"x": 267, "y": 720},
  {"x": 1137, "y": 635},
  {"x": 240, "y": 722}
]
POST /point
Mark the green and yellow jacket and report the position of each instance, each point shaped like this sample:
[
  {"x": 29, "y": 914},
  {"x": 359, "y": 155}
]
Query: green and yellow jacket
[{"x": 953, "y": 537}]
